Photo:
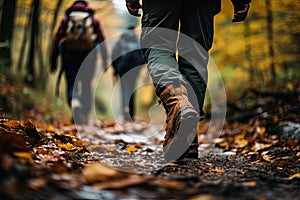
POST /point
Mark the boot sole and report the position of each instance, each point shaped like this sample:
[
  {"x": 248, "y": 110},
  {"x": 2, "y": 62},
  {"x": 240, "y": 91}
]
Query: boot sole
[{"x": 179, "y": 145}]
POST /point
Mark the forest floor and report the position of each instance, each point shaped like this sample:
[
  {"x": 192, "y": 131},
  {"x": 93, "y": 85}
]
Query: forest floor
[
  {"x": 106, "y": 160},
  {"x": 257, "y": 155}
]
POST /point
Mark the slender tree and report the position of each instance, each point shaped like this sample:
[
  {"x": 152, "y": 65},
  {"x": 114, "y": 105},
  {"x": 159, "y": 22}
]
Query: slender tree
[
  {"x": 270, "y": 39},
  {"x": 31, "y": 75},
  {"x": 6, "y": 32}
]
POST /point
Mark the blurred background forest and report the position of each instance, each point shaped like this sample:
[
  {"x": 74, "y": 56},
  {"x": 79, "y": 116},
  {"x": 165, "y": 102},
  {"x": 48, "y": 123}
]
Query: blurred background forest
[{"x": 261, "y": 53}]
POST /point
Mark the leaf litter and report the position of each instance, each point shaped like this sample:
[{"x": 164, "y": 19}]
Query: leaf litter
[{"x": 259, "y": 159}]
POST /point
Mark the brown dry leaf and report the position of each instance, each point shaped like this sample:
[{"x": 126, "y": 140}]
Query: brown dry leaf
[
  {"x": 261, "y": 130},
  {"x": 241, "y": 143},
  {"x": 37, "y": 183},
  {"x": 223, "y": 144},
  {"x": 173, "y": 164},
  {"x": 260, "y": 146},
  {"x": 13, "y": 124},
  {"x": 283, "y": 163},
  {"x": 59, "y": 167},
  {"x": 202, "y": 197},
  {"x": 217, "y": 170},
  {"x": 131, "y": 180},
  {"x": 78, "y": 143},
  {"x": 96, "y": 172},
  {"x": 169, "y": 184},
  {"x": 109, "y": 123},
  {"x": 294, "y": 176},
  {"x": 250, "y": 184},
  {"x": 100, "y": 148},
  {"x": 266, "y": 157},
  {"x": 31, "y": 131}
]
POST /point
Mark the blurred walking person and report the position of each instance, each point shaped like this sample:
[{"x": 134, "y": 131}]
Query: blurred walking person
[
  {"x": 127, "y": 60},
  {"x": 78, "y": 34}
]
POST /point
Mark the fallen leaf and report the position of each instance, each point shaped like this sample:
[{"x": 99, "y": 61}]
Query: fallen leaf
[
  {"x": 131, "y": 180},
  {"x": 100, "y": 148},
  {"x": 249, "y": 184},
  {"x": 13, "y": 124},
  {"x": 241, "y": 143},
  {"x": 131, "y": 149},
  {"x": 261, "y": 130},
  {"x": 260, "y": 146},
  {"x": 169, "y": 184},
  {"x": 266, "y": 157},
  {"x": 171, "y": 164},
  {"x": 67, "y": 146},
  {"x": 25, "y": 157},
  {"x": 31, "y": 132},
  {"x": 96, "y": 172},
  {"x": 218, "y": 170},
  {"x": 202, "y": 197},
  {"x": 294, "y": 176},
  {"x": 78, "y": 143}
]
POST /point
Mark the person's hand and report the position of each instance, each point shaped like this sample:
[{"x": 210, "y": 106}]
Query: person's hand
[
  {"x": 133, "y": 7},
  {"x": 240, "y": 12}
]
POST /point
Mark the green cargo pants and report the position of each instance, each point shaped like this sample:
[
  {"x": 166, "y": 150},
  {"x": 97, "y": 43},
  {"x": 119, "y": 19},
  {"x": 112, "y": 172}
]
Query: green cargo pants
[{"x": 161, "y": 21}]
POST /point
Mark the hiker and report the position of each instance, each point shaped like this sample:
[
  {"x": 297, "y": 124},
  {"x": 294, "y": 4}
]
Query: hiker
[
  {"x": 79, "y": 33},
  {"x": 127, "y": 60},
  {"x": 180, "y": 83}
]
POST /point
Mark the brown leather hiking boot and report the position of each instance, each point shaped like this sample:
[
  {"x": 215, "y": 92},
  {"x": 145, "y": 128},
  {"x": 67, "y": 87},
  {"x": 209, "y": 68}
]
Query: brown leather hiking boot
[{"x": 181, "y": 124}]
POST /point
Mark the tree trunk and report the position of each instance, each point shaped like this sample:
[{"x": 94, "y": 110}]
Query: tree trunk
[
  {"x": 270, "y": 39},
  {"x": 31, "y": 76},
  {"x": 6, "y": 32}
]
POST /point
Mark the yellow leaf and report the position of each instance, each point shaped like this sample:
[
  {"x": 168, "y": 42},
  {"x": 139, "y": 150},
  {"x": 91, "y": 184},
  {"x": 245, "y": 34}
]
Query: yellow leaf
[
  {"x": 223, "y": 144},
  {"x": 67, "y": 146},
  {"x": 266, "y": 157},
  {"x": 261, "y": 130},
  {"x": 202, "y": 197},
  {"x": 131, "y": 149},
  {"x": 240, "y": 136},
  {"x": 294, "y": 176},
  {"x": 50, "y": 128},
  {"x": 249, "y": 184},
  {"x": 98, "y": 172},
  {"x": 170, "y": 184},
  {"x": 241, "y": 143},
  {"x": 26, "y": 157}
]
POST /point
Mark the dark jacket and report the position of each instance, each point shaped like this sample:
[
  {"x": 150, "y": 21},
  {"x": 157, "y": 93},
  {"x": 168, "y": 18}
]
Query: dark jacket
[
  {"x": 126, "y": 53},
  {"x": 61, "y": 33}
]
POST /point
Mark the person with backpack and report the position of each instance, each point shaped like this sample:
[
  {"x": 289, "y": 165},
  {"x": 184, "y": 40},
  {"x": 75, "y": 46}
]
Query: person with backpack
[
  {"x": 176, "y": 38},
  {"x": 79, "y": 39},
  {"x": 127, "y": 60}
]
